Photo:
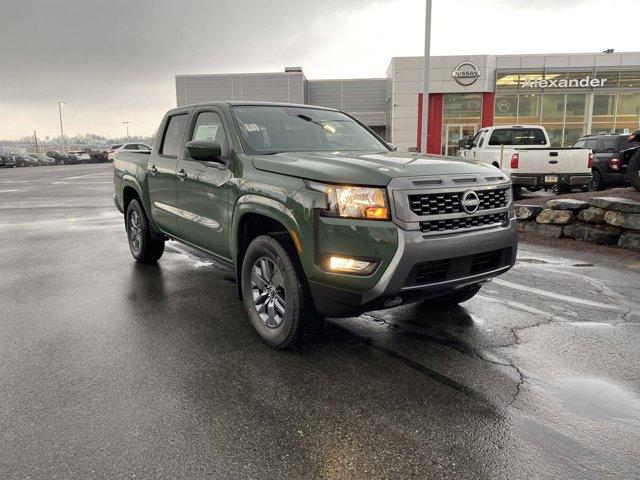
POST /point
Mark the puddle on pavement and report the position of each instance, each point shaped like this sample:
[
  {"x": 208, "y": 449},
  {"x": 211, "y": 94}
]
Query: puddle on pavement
[{"x": 599, "y": 400}]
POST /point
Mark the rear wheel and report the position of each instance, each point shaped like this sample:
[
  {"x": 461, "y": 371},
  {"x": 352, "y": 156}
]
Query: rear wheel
[
  {"x": 141, "y": 243},
  {"x": 275, "y": 293},
  {"x": 596, "y": 184},
  {"x": 634, "y": 170}
]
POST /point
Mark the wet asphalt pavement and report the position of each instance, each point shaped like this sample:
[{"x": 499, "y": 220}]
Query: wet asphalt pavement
[{"x": 109, "y": 369}]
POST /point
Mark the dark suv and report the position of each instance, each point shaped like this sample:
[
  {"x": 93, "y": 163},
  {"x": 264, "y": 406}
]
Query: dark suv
[{"x": 610, "y": 163}]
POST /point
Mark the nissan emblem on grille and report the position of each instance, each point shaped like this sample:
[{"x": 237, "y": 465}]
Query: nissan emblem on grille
[{"x": 470, "y": 201}]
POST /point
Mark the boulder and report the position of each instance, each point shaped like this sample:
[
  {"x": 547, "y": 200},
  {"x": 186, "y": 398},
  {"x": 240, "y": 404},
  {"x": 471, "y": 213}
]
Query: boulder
[
  {"x": 630, "y": 239},
  {"x": 569, "y": 231},
  {"x": 543, "y": 229},
  {"x": 555, "y": 217},
  {"x": 567, "y": 204},
  {"x": 601, "y": 234},
  {"x": 527, "y": 212},
  {"x": 623, "y": 205},
  {"x": 591, "y": 215},
  {"x": 626, "y": 220}
]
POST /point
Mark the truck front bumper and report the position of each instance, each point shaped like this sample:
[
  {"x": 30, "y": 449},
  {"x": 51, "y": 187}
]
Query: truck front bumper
[
  {"x": 539, "y": 180},
  {"x": 425, "y": 267}
]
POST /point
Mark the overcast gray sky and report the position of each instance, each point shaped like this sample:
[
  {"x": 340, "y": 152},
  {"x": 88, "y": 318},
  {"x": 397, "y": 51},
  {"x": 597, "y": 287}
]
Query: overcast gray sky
[{"x": 115, "y": 60}]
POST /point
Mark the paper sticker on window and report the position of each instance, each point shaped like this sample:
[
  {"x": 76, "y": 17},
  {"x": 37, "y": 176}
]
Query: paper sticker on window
[{"x": 251, "y": 127}]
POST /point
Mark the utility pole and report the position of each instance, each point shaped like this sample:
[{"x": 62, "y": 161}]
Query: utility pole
[
  {"x": 35, "y": 140},
  {"x": 127, "y": 124},
  {"x": 425, "y": 79},
  {"x": 64, "y": 147}
]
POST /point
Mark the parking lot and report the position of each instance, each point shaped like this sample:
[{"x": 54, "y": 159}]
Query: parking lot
[{"x": 113, "y": 369}]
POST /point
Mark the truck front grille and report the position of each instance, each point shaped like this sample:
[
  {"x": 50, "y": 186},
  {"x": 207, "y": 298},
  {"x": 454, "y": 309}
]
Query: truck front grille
[
  {"x": 452, "y": 224},
  {"x": 437, "y": 271},
  {"x": 449, "y": 202}
]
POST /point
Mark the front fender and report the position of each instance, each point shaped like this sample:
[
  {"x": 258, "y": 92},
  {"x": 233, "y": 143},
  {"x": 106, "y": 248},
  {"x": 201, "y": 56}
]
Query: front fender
[{"x": 260, "y": 205}]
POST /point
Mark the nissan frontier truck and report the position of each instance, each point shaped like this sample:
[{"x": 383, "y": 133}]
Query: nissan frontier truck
[{"x": 316, "y": 214}]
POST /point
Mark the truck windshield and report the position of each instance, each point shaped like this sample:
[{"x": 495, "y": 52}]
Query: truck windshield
[
  {"x": 518, "y": 136},
  {"x": 274, "y": 129}
]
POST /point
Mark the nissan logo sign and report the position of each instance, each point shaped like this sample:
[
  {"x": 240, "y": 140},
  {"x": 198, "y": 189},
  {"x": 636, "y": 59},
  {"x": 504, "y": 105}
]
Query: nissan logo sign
[
  {"x": 466, "y": 73},
  {"x": 470, "y": 201}
]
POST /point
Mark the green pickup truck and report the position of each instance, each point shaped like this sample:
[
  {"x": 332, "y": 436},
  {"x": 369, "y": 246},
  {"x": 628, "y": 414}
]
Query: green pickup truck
[{"x": 316, "y": 214}]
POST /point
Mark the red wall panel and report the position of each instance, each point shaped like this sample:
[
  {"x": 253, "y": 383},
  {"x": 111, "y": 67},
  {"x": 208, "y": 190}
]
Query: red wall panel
[{"x": 434, "y": 132}]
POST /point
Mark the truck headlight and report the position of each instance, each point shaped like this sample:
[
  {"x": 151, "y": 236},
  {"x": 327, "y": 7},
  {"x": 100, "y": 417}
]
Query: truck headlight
[{"x": 354, "y": 202}]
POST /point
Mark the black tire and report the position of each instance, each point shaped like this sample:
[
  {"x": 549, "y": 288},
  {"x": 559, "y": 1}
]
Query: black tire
[
  {"x": 455, "y": 298},
  {"x": 597, "y": 183},
  {"x": 142, "y": 245},
  {"x": 285, "y": 288},
  {"x": 634, "y": 170}
]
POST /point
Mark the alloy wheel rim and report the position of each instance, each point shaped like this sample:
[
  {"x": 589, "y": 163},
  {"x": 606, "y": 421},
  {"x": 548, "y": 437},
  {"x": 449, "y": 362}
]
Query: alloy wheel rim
[
  {"x": 134, "y": 230},
  {"x": 268, "y": 292}
]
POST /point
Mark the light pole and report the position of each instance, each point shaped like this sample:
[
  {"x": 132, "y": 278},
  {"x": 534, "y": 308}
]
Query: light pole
[
  {"x": 127, "y": 124},
  {"x": 425, "y": 79},
  {"x": 61, "y": 128}
]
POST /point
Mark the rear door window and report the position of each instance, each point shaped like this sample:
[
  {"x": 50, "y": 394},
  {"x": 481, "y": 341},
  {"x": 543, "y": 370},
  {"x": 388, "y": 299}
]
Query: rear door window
[
  {"x": 608, "y": 145},
  {"x": 131, "y": 146},
  {"x": 173, "y": 135},
  {"x": 518, "y": 136},
  {"x": 592, "y": 145}
]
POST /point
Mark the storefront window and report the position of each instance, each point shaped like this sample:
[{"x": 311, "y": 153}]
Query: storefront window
[
  {"x": 507, "y": 81},
  {"x": 462, "y": 105},
  {"x": 529, "y": 108},
  {"x": 553, "y": 107},
  {"x": 573, "y": 132},
  {"x": 577, "y": 111},
  {"x": 554, "y": 130},
  {"x": 610, "y": 78},
  {"x": 461, "y": 117},
  {"x": 630, "y": 79},
  {"x": 506, "y": 109},
  {"x": 628, "y": 112}
]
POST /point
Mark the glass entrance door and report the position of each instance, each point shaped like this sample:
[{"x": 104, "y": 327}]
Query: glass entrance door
[{"x": 453, "y": 134}]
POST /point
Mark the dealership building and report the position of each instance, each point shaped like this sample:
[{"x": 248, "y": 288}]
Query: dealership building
[{"x": 570, "y": 94}]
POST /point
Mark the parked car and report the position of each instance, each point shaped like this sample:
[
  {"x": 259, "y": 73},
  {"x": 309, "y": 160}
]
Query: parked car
[
  {"x": 525, "y": 154},
  {"x": 25, "y": 160},
  {"x": 315, "y": 213},
  {"x": 42, "y": 159},
  {"x": 83, "y": 156},
  {"x": 7, "y": 161},
  {"x": 134, "y": 147},
  {"x": 62, "y": 158},
  {"x": 610, "y": 166},
  {"x": 98, "y": 156}
]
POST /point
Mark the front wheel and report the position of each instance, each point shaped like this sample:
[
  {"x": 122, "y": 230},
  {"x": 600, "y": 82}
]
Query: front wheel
[
  {"x": 141, "y": 243},
  {"x": 274, "y": 292},
  {"x": 634, "y": 170}
]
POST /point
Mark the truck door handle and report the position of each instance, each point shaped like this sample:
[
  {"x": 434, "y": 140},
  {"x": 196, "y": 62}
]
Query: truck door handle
[
  {"x": 182, "y": 175},
  {"x": 153, "y": 170}
]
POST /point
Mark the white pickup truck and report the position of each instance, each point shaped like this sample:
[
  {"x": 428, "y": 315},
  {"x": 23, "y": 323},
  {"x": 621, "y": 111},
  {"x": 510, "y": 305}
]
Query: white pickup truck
[{"x": 524, "y": 153}]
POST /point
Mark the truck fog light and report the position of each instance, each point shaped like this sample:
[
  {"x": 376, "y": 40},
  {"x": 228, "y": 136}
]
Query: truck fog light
[{"x": 350, "y": 265}]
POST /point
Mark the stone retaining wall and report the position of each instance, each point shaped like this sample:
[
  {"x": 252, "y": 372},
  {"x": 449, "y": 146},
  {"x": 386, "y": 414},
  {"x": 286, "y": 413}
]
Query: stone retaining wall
[{"x": 601, "y": 220}]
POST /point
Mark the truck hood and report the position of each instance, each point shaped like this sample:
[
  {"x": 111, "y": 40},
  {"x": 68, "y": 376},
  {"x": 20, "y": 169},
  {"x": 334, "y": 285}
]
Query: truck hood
[{"x": 367, "y": 168}]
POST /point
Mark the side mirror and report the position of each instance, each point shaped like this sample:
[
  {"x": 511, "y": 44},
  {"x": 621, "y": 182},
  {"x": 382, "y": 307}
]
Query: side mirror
[
  {"x": 205, "y": 151},
  {"x": 465, "y": 143}
]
